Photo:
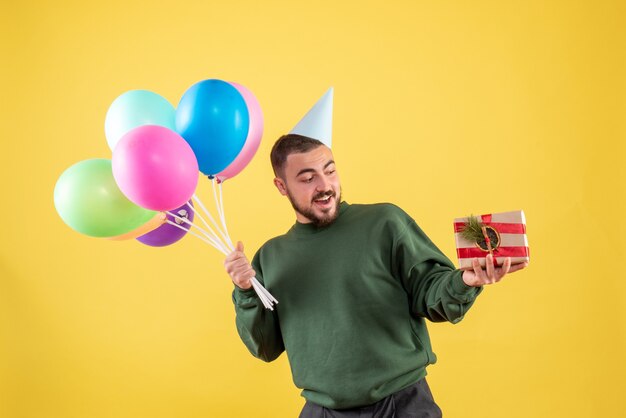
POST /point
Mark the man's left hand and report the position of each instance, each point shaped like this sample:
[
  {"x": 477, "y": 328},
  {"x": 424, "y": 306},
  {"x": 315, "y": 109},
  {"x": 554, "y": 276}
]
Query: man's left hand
[{"x": 479, "y": 277}]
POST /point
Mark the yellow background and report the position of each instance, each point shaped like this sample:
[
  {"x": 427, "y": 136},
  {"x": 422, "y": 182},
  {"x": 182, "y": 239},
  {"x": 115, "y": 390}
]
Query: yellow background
[{"x": 444, "y": 108}]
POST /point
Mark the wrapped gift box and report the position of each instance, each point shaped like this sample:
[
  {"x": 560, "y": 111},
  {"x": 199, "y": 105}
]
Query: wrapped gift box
[{"x": 507, "y": 233}]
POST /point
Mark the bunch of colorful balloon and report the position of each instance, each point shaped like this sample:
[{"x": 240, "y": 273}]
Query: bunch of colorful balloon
[{"x": 146, "y": 190}]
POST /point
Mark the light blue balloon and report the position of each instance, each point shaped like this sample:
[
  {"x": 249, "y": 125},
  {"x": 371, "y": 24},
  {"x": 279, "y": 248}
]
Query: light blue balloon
[
  {"x": 137, "y": 108},
  {"x": 213, "y": 118}
]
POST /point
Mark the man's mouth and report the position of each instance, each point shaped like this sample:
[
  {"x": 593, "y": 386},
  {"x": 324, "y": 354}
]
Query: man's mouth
[{"x": 324, "y": 202}]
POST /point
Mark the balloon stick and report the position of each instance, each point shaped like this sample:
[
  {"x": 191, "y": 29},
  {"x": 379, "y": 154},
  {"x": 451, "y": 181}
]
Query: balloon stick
[
  {"x": 265, "y": 292},
  {"x": 213, "y": 233},
  {"x": 222, "y": 214},
  {"x": 197, "y": 236},
  {"x": 263, "y": 298},
  {"x": 197, "y": 199},
  {"x": 206, "y": 234}
]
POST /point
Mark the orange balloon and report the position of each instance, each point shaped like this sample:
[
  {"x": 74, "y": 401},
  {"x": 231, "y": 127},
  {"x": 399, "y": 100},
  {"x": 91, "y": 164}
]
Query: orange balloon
[{"x": 158, "y": 220}]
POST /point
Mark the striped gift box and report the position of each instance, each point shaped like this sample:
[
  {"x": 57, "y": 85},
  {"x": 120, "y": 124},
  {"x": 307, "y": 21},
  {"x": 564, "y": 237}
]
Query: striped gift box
[{"x": 511, "y": 229}]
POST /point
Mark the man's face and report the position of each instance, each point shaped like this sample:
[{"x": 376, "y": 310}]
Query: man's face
[{"x": 312, "y": 185}]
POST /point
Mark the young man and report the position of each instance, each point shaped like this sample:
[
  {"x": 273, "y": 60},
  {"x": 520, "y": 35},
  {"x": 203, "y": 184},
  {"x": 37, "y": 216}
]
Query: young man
[{"x": 355, "y": 284}]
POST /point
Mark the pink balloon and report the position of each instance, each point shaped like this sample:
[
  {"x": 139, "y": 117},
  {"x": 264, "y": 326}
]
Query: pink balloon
[
  {"x": 255, "y": 132},
  {"x": 155, "y": 168}
]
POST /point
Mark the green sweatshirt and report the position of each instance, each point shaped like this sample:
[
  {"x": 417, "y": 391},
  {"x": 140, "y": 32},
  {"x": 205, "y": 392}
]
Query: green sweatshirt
[{"x": 353, "y": 299}]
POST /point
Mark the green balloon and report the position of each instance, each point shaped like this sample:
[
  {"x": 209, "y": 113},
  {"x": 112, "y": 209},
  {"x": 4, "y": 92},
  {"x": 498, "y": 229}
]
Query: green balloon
[{"x": 88, "y": 200}]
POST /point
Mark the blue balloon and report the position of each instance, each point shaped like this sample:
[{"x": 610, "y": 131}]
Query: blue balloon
[{"x": 213, "y": 118}]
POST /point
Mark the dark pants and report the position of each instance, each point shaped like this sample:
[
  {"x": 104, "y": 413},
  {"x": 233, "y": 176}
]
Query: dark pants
[{"x": 415, "y": 401}]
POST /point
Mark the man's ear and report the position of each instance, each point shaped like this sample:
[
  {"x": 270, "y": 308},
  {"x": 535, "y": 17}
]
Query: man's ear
[{"x": 280, "y": 185}]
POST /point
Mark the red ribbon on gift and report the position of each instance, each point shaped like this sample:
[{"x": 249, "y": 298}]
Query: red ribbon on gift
[
  {"x": 500, "y": 252},
  {"x": 500, "y": 227}
]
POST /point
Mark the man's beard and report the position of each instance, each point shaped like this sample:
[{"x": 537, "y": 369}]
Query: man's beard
[{"x": 310, "y": 215}]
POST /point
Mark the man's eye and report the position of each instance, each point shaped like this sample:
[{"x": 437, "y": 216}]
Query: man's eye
[
  {"x": 308, "y": 180},
  {"x": 331, "y": 172}
]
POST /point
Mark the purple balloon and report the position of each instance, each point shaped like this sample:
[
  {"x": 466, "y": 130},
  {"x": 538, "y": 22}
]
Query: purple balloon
[{"x": 168, "y": 234}]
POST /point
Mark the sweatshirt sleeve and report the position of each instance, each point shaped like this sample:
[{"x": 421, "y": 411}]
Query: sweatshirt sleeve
[
  {"x": 257, "y": 326},
  {"x": 436, "y": 289}
]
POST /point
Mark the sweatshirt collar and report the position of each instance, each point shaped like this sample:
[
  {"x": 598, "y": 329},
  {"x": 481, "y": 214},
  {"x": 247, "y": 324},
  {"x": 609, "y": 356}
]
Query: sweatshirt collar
[{"x": 309, "y": 228}]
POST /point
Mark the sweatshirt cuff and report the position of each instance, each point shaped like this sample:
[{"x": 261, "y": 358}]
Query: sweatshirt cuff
[
  {"x": 243, "y": 295},
  {"x": 460, "y": 288}
]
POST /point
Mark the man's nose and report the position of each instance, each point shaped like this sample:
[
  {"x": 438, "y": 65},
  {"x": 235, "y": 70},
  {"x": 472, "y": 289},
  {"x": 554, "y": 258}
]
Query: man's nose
[{"x": 323, "y": 185}]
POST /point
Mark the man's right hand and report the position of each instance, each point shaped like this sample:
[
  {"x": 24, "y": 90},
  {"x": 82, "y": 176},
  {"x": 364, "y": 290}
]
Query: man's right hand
[{"x": 239, "y": 268}]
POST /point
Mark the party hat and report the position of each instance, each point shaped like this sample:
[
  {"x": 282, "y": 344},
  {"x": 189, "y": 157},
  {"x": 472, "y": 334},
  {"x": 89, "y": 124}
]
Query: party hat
[{"x": 318, "y": 122}]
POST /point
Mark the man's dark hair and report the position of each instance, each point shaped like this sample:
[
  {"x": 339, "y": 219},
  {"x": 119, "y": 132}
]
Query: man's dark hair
[{"x": 287, "y": 145}]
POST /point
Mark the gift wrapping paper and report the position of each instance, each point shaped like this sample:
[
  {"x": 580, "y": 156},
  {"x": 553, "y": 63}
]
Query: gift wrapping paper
[{"x": 510, "y": 227}]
